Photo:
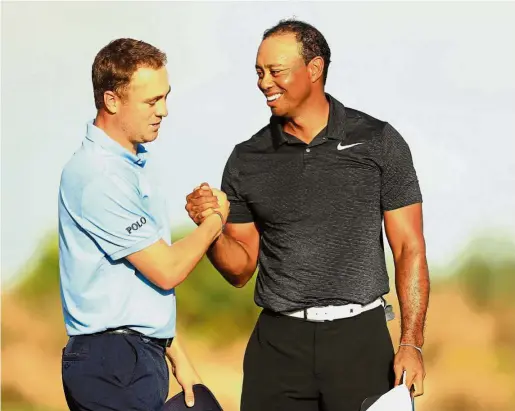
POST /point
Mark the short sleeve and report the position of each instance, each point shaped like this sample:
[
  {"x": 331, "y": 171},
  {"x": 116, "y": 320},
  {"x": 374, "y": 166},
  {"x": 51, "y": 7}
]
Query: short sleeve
[
  {"x": 117, "y": 217},
  {"x": 240, "y": 212},
  {"x": 399, "y": 182}
]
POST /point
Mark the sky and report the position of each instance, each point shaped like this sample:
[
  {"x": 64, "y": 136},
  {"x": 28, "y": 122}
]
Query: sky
[{"x": 440, "y": 73}]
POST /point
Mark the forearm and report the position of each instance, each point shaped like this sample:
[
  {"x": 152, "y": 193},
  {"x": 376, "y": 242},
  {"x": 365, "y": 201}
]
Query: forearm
[
  {"x": 187, "y": 252},
  {"x": 412, "y": 284},
  {"x": 232, "y": 260},
  {"x": 175, "y": 352}
]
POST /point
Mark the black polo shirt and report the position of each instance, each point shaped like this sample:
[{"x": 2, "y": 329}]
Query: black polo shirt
[{"x": 319, "y": 207}]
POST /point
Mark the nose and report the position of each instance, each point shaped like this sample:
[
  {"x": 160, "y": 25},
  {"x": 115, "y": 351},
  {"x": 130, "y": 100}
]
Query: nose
[
  {"x": 161, "y": 108},
  {"x": 266, "y": 82}
]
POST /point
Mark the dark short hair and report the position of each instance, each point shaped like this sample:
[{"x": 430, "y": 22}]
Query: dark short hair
[
  {"x": 313, "y": 42},
  {"x": 115, "y": 64}
]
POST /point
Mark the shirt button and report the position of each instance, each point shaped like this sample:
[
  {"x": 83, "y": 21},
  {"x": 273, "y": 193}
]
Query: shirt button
[{"x": 308, "y": 150}]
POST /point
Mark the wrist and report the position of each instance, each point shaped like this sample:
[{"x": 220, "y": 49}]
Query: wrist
[
  {"x": 219, "y": 214},
  {"x": 217, "y": 220},
  {"x": 412, "y": 338},
  {"x": 222, "y": 219},
  {"x": 411, "y": 346}
]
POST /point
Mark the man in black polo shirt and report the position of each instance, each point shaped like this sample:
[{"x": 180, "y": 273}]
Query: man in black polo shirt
[{"x": 309, "y": 193}]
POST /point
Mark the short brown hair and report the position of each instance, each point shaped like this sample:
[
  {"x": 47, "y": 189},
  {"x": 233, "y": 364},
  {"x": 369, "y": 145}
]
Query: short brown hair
[{"x": 115, "y": 64}]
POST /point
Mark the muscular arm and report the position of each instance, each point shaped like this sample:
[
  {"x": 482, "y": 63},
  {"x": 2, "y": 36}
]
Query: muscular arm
[
  {"x": 404, "y": 230},
  {"x": 168, "y": 265},
  {"x": 235, "y": 253}
]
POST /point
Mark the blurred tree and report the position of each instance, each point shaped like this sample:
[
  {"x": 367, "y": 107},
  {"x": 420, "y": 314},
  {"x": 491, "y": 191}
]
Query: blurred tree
[
  {"x": 487, "y": 272},
  {"x": 206, "y": 303}
]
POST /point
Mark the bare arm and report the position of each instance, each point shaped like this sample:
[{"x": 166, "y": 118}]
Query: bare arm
[
  {"x": 235, "y": 253},
  {"x": 183, "y": 370},
  {"x": 404, "y": 232},
  {"x": 168, "y": 265}
]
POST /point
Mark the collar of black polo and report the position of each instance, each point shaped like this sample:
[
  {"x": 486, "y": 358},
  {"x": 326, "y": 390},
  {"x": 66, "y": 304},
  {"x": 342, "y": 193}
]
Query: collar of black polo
[{"x": 335, "y": 124}]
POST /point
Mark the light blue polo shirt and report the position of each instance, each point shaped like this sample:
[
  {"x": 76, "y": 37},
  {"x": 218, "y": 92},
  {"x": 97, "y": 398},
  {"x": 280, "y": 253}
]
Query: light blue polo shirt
[{"x": 108, "y": 209}]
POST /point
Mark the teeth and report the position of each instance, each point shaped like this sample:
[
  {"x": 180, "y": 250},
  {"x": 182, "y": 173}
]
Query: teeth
[{"x": 274, "y": 97}]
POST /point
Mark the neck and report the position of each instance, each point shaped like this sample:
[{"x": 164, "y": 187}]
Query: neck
[
  {"x": 109, "y": 125},
  {"x": 310, "y": 119}
]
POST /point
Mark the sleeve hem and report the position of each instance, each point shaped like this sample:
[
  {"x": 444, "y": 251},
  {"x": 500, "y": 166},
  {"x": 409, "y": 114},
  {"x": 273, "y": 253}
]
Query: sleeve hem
[
  {"x": 135, "y": 248},
  {"x": 406, "y": 203},
  {"x": 240, "y": 219}
]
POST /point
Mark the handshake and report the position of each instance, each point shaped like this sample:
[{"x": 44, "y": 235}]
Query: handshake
[{"x": 204, "y": 201}]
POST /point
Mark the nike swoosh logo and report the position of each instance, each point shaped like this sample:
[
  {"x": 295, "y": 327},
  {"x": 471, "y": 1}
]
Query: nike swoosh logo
[{"x": 340, "y": 147}]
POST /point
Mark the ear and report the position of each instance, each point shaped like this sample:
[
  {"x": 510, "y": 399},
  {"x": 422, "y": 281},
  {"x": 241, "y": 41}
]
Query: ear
[
  {"x": 111, "y": 102},
  {"x": 316, "y": 68}
]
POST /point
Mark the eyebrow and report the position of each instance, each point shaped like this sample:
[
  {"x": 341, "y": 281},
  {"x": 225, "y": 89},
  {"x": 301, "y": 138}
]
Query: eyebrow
[
  {"x": 160, "y": 96},
  {"x": 269, "y": 66}
]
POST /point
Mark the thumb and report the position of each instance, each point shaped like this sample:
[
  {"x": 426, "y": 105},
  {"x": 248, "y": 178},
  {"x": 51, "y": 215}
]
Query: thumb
[{"x": 188, "y": 396}]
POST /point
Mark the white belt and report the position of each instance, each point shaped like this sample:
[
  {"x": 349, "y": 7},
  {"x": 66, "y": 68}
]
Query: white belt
[{"x": 333, "y": 312}]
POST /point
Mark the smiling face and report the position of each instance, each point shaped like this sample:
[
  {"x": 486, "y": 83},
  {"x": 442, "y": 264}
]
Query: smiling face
[
  {"x": 143, "y": 104},
  {"x": 283, "y": 76}
]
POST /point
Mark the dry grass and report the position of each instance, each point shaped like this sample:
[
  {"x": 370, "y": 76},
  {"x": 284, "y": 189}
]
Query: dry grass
[{"x": 469, "y": 357}]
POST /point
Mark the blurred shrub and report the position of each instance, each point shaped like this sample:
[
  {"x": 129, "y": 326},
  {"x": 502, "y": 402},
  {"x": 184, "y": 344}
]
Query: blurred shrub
[
  {"x": 40, "y": 277},
  {"x": 206, "y": 303},
  {"x": 487, "y": 272},
  {"x": 209, "y": 306},
  {"x": 486, "y": 277}
]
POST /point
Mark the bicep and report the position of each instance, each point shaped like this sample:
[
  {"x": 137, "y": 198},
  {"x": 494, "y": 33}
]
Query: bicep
[{"x": 404, "y": 229}]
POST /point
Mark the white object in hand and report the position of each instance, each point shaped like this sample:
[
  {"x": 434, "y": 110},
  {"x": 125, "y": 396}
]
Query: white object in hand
[{"x": 397, "y": 399}]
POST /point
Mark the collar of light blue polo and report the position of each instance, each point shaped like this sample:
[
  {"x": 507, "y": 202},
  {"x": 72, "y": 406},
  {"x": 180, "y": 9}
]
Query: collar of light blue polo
[{"x": 98, "y": 136}]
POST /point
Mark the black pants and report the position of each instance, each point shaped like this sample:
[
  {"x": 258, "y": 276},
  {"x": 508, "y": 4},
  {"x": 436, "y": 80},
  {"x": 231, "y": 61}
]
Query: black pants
[
  {"x": 295, "y": 365},
  {"x": 114, "y": 372}
]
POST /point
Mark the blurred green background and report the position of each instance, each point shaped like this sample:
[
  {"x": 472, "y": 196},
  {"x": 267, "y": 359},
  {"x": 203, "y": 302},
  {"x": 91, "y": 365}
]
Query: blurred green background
[{"x": 469, "y": 351}]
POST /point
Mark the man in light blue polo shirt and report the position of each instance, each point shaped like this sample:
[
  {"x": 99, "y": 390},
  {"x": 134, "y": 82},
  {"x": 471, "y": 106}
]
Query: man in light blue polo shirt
[{"x": 118, "y": 267}]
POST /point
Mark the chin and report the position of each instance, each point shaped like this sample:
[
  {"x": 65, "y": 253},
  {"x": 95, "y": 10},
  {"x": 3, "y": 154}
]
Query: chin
[
  {"x": 151, "y": 137},
  {"x": 277, "y": 111}
]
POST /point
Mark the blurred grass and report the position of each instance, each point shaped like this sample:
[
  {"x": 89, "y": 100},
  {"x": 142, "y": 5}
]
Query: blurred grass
[
  {"x": 206, "y": 303},
  {"x": 486, "y": 274},
  {"x": 13, "y": 400},
  {"x": 209, "y": 307}
]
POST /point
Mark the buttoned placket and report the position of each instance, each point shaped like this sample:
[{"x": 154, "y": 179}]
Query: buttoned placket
[{"x": 309, "y": 152}]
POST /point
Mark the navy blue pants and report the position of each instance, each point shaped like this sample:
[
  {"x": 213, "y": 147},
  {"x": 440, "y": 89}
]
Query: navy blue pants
[{"x": 114, "y": 372}]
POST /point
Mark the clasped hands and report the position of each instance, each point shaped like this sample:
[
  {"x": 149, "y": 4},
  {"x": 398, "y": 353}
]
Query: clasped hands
[{"x": 204, "y": 201}]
